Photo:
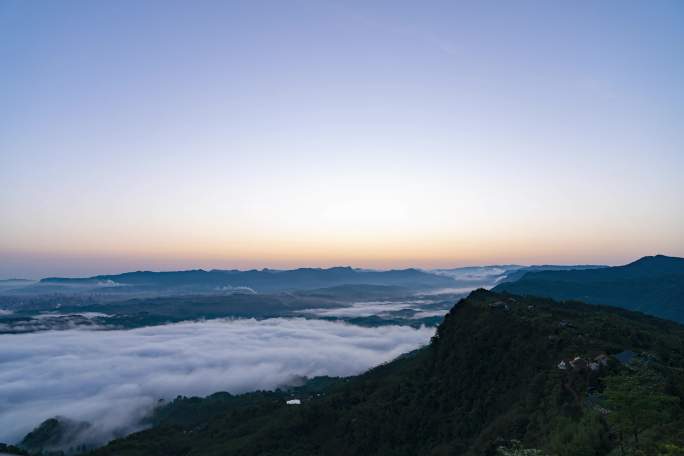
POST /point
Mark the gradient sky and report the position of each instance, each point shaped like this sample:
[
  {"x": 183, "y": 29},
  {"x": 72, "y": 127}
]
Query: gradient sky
[{"x": 164, "y": 135}]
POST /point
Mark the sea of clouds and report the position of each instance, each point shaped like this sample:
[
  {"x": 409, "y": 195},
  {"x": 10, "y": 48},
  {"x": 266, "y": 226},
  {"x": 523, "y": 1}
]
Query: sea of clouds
[
  {"x": 112, "y": 379},
  {"x": 367, "y": 308}
]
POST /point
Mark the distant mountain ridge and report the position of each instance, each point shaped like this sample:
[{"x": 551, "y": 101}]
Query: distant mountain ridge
[
  {"x": 516, "y": 274},
  {"x": 264, "y": 280},
  {"x": 273, "y": 280},
  {"x": 489, "y": 276},
  {"x": 652, "y": 284}
]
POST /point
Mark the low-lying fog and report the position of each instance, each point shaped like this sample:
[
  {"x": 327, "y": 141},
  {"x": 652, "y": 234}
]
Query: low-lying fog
[
  {"x": 379, "y": 308},
  {"x": 113, "y": 378}
]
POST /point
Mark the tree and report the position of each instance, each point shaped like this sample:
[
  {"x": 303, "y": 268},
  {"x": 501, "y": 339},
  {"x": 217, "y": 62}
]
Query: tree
[
  {"x": 671, "y": 449},
  {"x": 636, "y": 402},
  {"x": 588, "y": 436}
]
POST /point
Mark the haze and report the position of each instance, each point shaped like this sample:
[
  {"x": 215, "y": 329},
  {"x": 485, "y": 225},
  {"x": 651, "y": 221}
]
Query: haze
[{"x": 157, "y": 135}]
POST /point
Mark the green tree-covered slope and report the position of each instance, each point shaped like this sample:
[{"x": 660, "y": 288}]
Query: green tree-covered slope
[
  {"x": 653, "y": 285},
  {"x": 488, "y": 383}
]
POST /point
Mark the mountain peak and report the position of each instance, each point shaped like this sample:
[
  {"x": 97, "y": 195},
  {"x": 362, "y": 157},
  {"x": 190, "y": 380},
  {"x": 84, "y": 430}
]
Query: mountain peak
[{"x": 661, "y": 263}]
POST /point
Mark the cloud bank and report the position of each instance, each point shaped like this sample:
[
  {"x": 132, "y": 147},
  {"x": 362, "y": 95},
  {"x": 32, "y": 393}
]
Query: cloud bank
[
  {"x": 485, "y": 276},
  {"x": 366, "y": 309},
  {"x": 113, "y": 378}
]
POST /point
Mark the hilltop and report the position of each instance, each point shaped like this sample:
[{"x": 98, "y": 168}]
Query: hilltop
[
  {"x": 501, "y": 372},
  {"x": 652, "y": 285}
]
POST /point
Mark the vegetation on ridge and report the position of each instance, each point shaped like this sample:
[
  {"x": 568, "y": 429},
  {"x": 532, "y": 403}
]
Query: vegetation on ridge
[
  {"x": 652, "y": 285},
  {"x": 503, "y": 374}
]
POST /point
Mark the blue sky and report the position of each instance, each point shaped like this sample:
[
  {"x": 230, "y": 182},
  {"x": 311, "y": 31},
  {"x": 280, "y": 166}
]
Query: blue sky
[{"x": 145, "y": 134}]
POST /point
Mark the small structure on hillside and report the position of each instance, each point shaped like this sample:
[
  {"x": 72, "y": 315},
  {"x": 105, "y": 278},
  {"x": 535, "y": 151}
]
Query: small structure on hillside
[
  {"x": 293, "y": 402},
  {"x": 578, "y": 363},
  {"x": 499, "y": 304},
  {"x": 602, "y": 359}
]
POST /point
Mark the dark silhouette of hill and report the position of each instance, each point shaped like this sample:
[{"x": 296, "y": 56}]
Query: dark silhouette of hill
[
  {"x": 55, "y": 434},
  {"x": 652, "y": 285}
]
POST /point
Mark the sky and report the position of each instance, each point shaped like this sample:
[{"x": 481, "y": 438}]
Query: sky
[{"x": 228, "y": 134}]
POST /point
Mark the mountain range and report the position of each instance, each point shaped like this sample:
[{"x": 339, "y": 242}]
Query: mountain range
[
  {"x": 652, "y": 285},
  {"x": 525, "y": 369},
  {"x": 216, "y": 281},
  {"x": 261, "y": 281}
]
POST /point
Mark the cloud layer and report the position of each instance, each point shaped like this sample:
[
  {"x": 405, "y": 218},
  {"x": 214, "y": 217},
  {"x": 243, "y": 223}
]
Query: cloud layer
[
  {"x": 113, "y": 378},
  {"x": 366, "y": 309}
]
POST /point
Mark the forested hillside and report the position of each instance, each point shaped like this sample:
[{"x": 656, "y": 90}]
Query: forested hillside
[
  {"x": 653, "y": 285},
  {"x": 501, "y": 374}
]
